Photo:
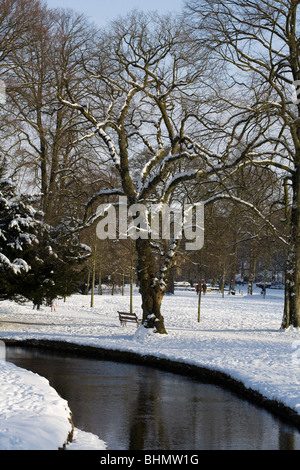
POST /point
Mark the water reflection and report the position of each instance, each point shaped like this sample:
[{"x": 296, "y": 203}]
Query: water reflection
[{"x": 140, "y": 408}]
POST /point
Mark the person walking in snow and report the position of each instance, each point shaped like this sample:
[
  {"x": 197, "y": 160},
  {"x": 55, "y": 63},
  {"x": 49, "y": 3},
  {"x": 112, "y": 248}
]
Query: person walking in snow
[{"x": 53, "y": 305}]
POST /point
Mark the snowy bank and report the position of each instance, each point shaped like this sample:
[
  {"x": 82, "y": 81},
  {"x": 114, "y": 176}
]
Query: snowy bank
[
  {"x": 238, "y": 335},
  {"x": 32, "y": 415}
]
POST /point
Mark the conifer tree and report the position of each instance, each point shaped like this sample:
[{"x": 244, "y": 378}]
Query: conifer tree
[{"x": 36, "y": 262}]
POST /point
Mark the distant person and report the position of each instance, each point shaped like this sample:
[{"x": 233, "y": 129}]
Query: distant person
[
  {"x": 198, "y": 288},
  {"x": 53, "y": 305},
  {"x": 204, "y": 287}
]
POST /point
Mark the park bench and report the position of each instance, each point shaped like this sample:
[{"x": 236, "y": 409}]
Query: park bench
[{"x": 125, "y": 317}]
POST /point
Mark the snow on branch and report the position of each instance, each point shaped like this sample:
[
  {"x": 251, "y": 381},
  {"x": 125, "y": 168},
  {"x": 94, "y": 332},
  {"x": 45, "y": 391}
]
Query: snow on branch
[
  {"x": 111, "y": 148},
  {"x": 168, "y": 263},
  {"x": 160, "y": 175},
  {"x": 180, "y": 177},
  {"x": 103, "y": 192},
  {"x": 99, "y": 129},
  {"x": 16, "y": 266}
]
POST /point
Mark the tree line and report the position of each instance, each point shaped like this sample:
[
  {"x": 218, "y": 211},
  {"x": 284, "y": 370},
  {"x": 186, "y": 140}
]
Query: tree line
[{"x": 162, "y": 109}]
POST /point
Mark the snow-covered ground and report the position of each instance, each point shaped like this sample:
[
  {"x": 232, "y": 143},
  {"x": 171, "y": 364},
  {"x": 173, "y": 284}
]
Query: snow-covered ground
[{"x": 239, "y": 335}]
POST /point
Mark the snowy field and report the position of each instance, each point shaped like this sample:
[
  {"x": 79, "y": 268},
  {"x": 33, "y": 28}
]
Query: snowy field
[{"x": 239, "y": 335}]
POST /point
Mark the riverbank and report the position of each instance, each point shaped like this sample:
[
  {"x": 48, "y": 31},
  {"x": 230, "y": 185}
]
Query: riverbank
[{"x": 238, "y": 341}]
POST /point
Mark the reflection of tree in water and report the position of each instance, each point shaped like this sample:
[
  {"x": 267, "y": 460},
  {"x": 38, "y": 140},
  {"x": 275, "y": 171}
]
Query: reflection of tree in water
[
  {"x": 286, "y": 439},
  {"x": 146, "y": 429},
  {"x": 169, "y": 413},
  {"x": 139, "y": 408}
]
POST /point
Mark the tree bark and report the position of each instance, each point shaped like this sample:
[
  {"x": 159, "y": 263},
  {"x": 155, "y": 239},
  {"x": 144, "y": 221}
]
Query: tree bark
[
  {"x": 291, "y": 315},
  {"x": 150, "y": 289}
]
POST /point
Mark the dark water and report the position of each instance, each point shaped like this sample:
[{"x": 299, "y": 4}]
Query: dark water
[{"x": 140, "y": 408}]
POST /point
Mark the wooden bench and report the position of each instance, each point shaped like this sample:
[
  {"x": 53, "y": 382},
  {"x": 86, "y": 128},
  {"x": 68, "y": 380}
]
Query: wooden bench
[{"x": 125, "y": 317}]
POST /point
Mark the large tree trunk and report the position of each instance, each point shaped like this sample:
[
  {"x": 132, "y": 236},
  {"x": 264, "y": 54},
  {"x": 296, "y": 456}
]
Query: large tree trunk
[
  {"x": 151, "y": 292},
  {"x": 291, "y": 315}
]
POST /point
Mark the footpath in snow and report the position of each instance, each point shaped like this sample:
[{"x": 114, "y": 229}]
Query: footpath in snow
[{"x": 239, "y": 335}]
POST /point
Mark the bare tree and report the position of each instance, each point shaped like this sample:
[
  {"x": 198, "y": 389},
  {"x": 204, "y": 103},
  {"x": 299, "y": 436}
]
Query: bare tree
[
  {"x": 48, "y": 133},
  {"x": 142, "y": 98},
  {"x": 15, "y": 20},
  {"x": 256, "y": 47}
]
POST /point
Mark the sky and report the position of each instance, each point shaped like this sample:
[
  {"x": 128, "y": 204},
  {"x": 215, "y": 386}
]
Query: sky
[{"x": 103, "y": 11}]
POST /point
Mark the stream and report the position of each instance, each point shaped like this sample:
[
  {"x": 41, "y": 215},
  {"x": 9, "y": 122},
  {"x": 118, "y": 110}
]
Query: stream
[{"x": 134, "y": 407}]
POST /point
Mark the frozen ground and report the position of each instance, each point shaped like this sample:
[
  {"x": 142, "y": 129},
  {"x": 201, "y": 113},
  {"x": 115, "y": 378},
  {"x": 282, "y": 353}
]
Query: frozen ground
[{"x": 239, "y": 335}]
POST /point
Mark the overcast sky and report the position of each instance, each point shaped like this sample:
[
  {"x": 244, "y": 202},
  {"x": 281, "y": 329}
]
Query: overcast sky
[{"x": 102, "y": 11}]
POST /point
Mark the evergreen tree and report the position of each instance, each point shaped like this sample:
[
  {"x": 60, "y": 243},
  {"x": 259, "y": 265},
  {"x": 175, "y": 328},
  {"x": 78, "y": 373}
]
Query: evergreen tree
[
  {"x": 19, "y": 225},
  {"x": 36, "y": 262},
  {"x": 56, "y": 267}
]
